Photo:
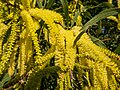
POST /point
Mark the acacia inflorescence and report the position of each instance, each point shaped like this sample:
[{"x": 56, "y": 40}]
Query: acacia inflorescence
[{"x": 21, "y": 52}]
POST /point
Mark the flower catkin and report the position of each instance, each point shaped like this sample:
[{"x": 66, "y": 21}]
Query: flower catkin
[
  {"x": 31, "y": 28},
  {"x": 94, "y": 53},
  {"x": 9, "y": 47}
]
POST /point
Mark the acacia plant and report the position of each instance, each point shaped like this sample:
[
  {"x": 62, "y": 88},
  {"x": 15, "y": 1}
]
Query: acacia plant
[{"x": 37, "y": 52}]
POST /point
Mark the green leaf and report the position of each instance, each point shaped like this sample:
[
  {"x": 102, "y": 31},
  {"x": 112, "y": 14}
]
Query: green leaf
[
  {"x": 103, "y": 4},
  {"x": 50, "y": 3},
  {"x": 39, "y": 2},
  {"x": 65, "y": 9},
  {"x": 1, "y": 85},
  {"x": 98, "y": 41},
  {"x": 75, "y": 18},
  {"x": 99, "y": 28},
  {"x": 6, "y": 78},
  {"x": 95, "y": 19},
  {"x": 78, "y": 37},
  {"x": 117, "y": 50}
]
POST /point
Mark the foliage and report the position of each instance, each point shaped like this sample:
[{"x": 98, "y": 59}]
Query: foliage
[{"x": 42, "y": 50}]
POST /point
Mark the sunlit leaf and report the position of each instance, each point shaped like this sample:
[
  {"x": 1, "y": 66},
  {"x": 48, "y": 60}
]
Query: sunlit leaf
[
  {"x": 117, "y": 50},
  {"x": 103, "y": 4},
  {"x": 1, "y": 85},
  {"x": 6, "y": 78},
  {"x": 65, "y": 9},
  {"x": 75, "y": 18},
  {"x": 98, "y": 17},
  {"x": 50, "y": 3},
  {"x": 98, "y": 41},
  {"x": 39, "y": 3}
]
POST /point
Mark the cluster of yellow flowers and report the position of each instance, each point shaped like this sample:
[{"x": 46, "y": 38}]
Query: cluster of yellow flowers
[
  {"x": 31, "y": 28},
  {"x": 103, "y": 71},
  {"x": 49, "y": 20},
  {"x": 63, "y": 39},
  {"x": 95, "y": 58},
  {"x": 12, "y": 63},
  {"x": 3, "y": 29},
  {"x": 65, "y": 53},
  {"x": 9, "y": 47}
]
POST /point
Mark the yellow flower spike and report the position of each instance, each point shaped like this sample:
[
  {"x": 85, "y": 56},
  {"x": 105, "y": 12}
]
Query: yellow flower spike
[
  {"x": 3, "y": 30},
  {"x": 36, "y": 23},
  {"x": 49, "y": 20},
  {"x": 79, "y": 21},
  {"x": 69, "y": 38},
  {"x": 1, "y": 40},
  {"x": 112, "y": 83},
  {"x": 65, "y": 55},
  {"x": 102, "y": 75},
  {"x": 53, "y": 35},
  {"x": 59, "y": 56},
  {"x": 97, "y": 84},
  {"x": 22, "y": 54},
  {"x": 9, "y": 47},
  {"x": 31, "y": 28},
  {"x": 26, "y": 39},
  {"x": 11, "y": 68},
  {"x": 70, "y": 58},
  {"x": 99, "y": 59},
  {"x": 43, "y": 14},
  {"x": 67, "y": 81},
  {"x": 44, "y": 60},
  {"x": 60, "y": 47},
  {"x": 110, "y": 54},
  {"x": 61, "y": 81},
  {"x": 70, "y": 54}
]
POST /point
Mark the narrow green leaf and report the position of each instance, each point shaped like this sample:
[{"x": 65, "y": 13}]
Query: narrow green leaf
[
  {"x": 39, "y": 2},
  {"x": 117, "y": 50},
  {"x": 65, "y": 9},
  {"x": 78, "y": 37},
  {"x": 95, "y": 19},
  {"x": 6, "y": 78},
  {"x": 103, "y": 4},
  {"x": 99, "y": 28},
  {"x": 98, "y": 41},
  {"x": 1, "y": 85},
  {"x": 75, "y": 18},
  {"x": 49, "y": 4},
  {"x": 100, "y": 16}
]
